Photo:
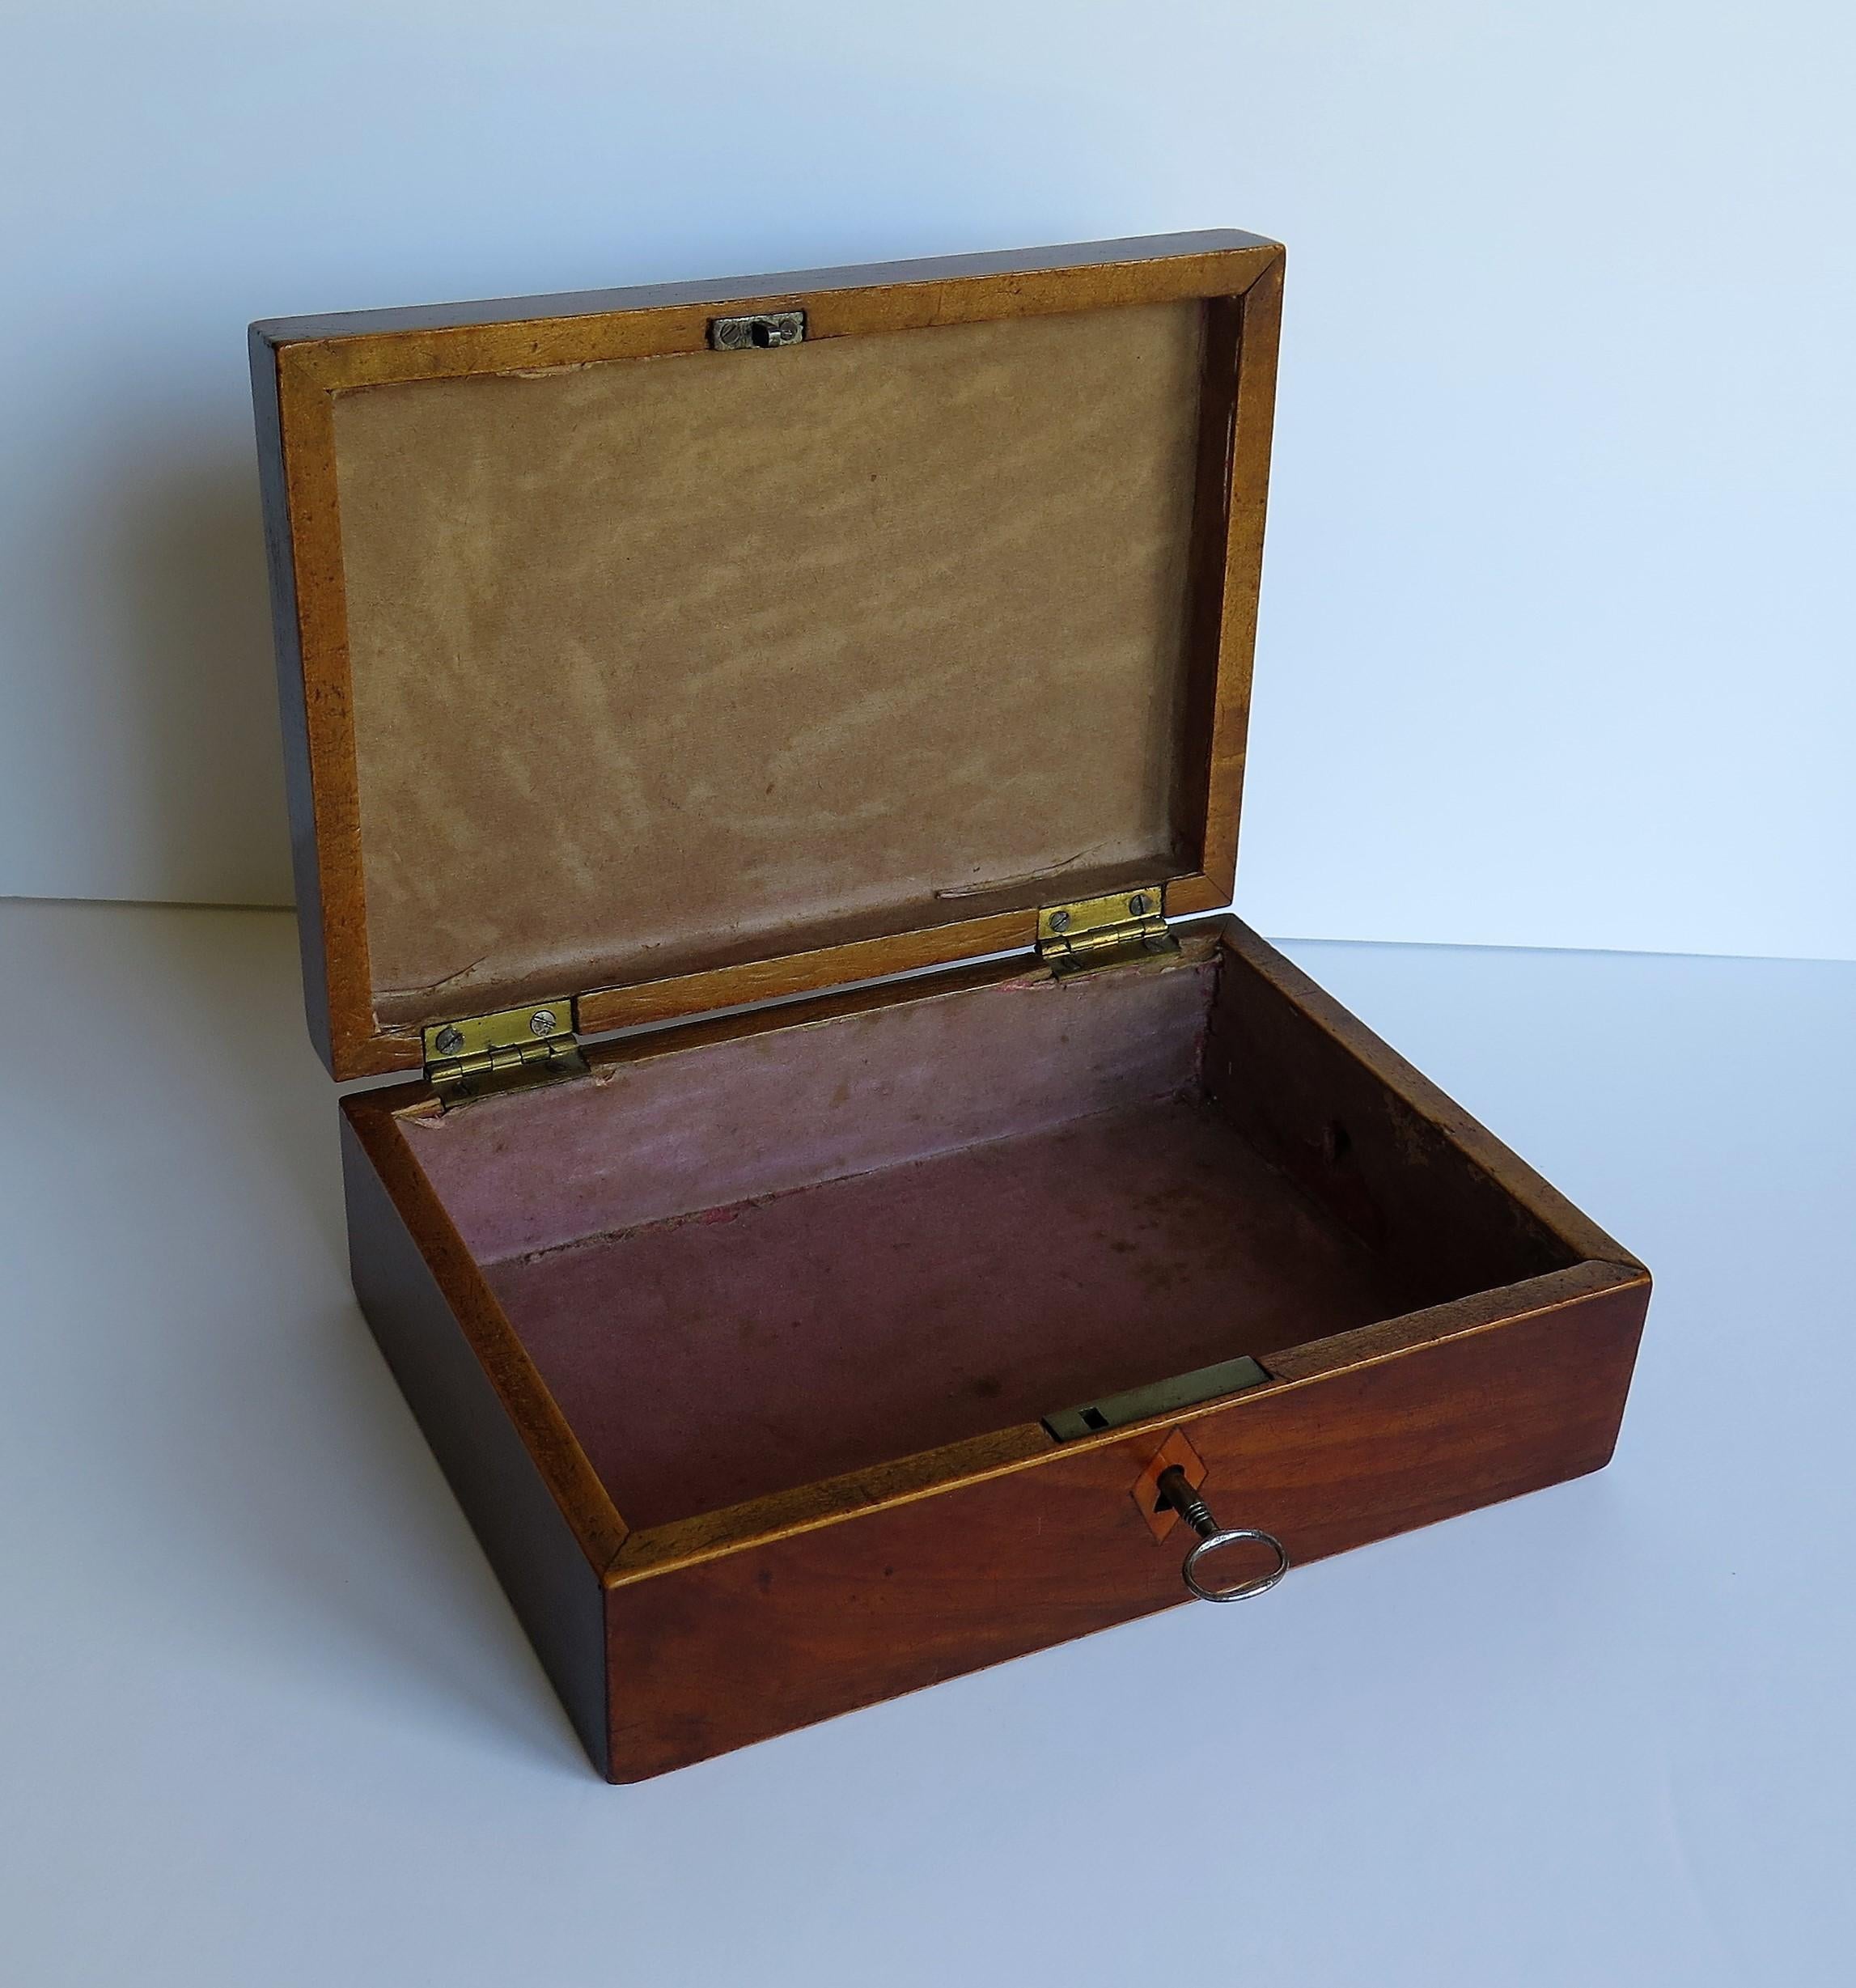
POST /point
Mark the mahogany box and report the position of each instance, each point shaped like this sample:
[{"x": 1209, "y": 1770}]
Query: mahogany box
[{"x": 828, "y": 691}]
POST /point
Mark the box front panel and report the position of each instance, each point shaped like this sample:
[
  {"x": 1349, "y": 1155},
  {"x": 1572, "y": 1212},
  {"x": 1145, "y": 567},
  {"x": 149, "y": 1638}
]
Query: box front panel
[{"x": 719, "y": 1654}]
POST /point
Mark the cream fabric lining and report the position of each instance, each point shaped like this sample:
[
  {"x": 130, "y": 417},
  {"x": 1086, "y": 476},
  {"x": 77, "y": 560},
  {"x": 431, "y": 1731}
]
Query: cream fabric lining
[{"x": 665, "y": 664}]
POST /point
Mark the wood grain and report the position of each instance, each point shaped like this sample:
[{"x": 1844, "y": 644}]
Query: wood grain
[
  {"x": 299, "y": 365},
  {"x": 740, "y": 1623},
  {"x": 1446, "y": 1204},
  {"x": 480, "y": 1322},
  {"x": 368, "y": 348},
  {"x": 803, "y": 973},
  {"x": 1205, "y": 586},
  {"x": 1247, "y": 485},
  {"x": 509, "y": 1474},
  {"x": 738, "y": 1647}
]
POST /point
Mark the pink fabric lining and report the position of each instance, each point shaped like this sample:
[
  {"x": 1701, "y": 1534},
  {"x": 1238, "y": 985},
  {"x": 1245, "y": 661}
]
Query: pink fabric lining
[
  {"x": 699, "y": 1128},
  {"x": 711, "y": 1359},
  {"x": 745, "y": 1266}
]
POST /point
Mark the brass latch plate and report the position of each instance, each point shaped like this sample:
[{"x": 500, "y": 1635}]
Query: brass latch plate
[
  {"x": 1100, "y": 931},
  {"x": 764, "y": 331},
  {"x": 1162, "y": 1397},
  {"x": 479, "y": 1053}
]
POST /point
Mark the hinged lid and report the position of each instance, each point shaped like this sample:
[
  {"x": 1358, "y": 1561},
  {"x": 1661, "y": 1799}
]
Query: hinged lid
[{"x": 657, "y": 651}]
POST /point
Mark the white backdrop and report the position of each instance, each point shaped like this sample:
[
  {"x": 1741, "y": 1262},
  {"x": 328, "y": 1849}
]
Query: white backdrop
[{"x": 1556, "y": 644}]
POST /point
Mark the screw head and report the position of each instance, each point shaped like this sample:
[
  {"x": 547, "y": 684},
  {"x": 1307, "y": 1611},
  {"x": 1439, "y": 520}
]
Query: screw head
[
  {"x": 448, "y": 1041},
  {"x": 1138, "y": 904},
  {"x": 542, "y": 1022},
  {"x": 1060, "y": 920}
]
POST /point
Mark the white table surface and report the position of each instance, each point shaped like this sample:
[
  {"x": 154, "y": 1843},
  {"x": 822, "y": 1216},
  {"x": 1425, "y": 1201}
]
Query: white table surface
[{"x": 266, "y": 1719}]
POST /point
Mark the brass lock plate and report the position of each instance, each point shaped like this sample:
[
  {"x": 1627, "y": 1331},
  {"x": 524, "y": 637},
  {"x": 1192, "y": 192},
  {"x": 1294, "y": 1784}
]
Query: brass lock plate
[
  {"x": 758, "y": 331},
  {"x": 1160, "y": 1397}
]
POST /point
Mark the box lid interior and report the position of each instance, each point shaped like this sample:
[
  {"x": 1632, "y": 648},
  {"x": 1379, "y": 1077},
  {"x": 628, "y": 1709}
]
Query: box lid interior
[{"x": 621, "y": 668}]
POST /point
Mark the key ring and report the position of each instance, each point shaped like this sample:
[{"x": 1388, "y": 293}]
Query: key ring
[{"x": 1176, "y": 1491}]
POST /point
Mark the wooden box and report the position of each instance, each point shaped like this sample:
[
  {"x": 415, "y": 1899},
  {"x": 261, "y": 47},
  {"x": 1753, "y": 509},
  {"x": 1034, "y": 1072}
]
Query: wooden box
[{"x": 736, "y": 671}]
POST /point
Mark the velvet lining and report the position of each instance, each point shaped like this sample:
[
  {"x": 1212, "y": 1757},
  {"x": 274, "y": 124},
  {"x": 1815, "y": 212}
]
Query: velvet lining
[
  {"x": 833, "y": 1328},
  {"x": 665, "y": 1133},
  {"x": 748, "y": 1264}
]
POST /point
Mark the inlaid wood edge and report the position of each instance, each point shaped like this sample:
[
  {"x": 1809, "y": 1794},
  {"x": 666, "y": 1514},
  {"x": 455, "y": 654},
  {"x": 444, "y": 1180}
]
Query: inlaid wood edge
[
  {"x": 307, "y": 440},
  {"x": 571, "y": 1480},
  {"x": 1247, "y": 481},
  {"x": 1186, "y": 896},
  {"x": 734, "y": 289},
  {"x": 358, "y": 357},
  {"x": 1387, "y": 1338},
  {"x": 680, "y": 996},
  {"x": 803, "y": 973},
  {"x": 810, "y": 1008},
  {"x": 1538, "y": 1197},
  {"x": 1206, "y": 658},
  {"x": 687, "y": 1542}
]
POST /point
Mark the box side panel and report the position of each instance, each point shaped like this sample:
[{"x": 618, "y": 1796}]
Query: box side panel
[
  {"x": 551, "y": 1585},
  {"x": 721, "y": 1652},
  {"x": 1448, "y": 1208},
  {"x": 299, "y": 788}
]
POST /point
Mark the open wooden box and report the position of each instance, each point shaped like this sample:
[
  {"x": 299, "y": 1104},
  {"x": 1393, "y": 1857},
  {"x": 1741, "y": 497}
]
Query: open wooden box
[{"x": 738, "y": 669}]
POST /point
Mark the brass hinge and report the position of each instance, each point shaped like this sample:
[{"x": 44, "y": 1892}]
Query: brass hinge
[
  {"x": 479, "y": 1053},
  {"x": 1101, "y": 931}
]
